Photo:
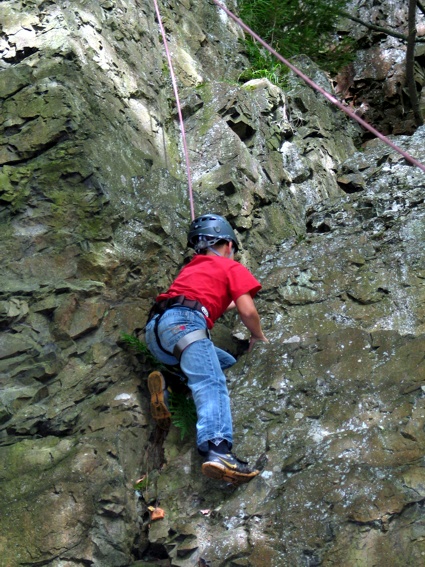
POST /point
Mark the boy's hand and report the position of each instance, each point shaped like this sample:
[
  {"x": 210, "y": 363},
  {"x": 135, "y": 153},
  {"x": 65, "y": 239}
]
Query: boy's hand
[{"x": 253, "y": 340}]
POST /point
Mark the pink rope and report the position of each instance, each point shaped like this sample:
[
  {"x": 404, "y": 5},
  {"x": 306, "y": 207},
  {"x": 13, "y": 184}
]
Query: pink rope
[
  {"x": 176, "y": 94},
  {"x": 318, "y": 88}
]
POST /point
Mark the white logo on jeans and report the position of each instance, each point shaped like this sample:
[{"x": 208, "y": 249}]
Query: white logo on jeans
[{"x": 205, "y": 311}]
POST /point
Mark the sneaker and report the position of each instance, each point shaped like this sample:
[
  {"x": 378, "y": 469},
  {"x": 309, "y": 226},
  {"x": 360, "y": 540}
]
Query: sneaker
[
  {"x": 227, "y": 467},
  {"x": 159, "y": 408}
]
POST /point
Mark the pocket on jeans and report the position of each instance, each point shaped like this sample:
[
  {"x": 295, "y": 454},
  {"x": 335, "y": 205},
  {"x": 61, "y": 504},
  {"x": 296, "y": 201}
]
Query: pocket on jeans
[{"x": 172, "y": 334}]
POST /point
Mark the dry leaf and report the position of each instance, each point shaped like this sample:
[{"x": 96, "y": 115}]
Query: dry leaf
[{"x": 156, "y": 513}]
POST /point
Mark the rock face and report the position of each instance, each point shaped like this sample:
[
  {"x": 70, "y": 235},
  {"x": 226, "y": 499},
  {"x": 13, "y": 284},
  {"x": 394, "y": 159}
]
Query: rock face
[
  {"x": 375, "y": 83},
  {"x": 93, "y": 218}
]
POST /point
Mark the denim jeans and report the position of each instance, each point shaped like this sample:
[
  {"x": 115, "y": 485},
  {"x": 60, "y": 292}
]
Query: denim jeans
[{"x": 203, "y": 365}]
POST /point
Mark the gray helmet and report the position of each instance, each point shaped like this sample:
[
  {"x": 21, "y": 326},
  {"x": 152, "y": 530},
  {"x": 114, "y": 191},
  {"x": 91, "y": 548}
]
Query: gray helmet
[{"x": 208, "y": 229}]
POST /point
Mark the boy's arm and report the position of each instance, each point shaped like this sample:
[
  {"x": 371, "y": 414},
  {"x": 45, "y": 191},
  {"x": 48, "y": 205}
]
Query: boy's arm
[
  {"x": 250, "y": 318},
  {"x": 231, "y": 306}
]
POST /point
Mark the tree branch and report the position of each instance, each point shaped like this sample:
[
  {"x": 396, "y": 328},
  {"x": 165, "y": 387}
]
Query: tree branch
[
  {"x": 379, "y": 28},
  {"x": 420, "y": 6},
  {"x": 373, "y": 27}
]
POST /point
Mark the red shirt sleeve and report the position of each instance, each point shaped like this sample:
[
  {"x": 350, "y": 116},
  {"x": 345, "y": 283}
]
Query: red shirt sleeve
[{"x": 242, "y": 281}]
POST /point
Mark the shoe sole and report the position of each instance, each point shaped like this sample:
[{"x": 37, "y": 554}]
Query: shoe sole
[
  {"x": 159, "y": 410},
  {"x": 220, "y": 472}
]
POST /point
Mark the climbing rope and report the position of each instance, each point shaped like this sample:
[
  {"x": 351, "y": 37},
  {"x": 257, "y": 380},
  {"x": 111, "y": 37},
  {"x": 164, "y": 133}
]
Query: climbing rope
[
  {"x": 295, "y": 70},
  {"x": 176, "y": 94},
  {"x": 322, "y": 91}
]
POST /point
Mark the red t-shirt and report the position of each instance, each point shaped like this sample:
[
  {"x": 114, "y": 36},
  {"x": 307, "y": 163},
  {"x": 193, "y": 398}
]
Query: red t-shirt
[{"x": 215, "y": 282}]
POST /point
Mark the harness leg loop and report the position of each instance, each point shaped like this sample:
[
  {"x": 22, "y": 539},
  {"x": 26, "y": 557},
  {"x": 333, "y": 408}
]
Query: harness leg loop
[{"x": 188, "y": 340}]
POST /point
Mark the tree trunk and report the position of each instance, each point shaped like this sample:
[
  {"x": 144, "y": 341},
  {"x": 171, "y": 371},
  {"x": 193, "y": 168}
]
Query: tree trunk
[{"x": 410, "y": 63}]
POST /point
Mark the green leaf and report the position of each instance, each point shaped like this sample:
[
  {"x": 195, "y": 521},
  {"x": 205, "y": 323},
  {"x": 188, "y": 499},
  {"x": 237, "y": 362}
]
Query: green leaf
[
  {"x": 138, "y": 347},
  {"x": 183, "y": 412}
]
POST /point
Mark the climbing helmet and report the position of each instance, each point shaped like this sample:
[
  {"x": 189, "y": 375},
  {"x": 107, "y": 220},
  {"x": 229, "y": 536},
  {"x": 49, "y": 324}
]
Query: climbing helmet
[{"x": 207, "y": 230}]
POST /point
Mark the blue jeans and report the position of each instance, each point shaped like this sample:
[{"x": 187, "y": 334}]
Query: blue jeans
[{"x": 203, "y": 365}]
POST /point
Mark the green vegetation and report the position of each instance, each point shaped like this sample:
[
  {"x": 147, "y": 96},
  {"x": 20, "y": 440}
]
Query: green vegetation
[
  {"x": 294, "y": 27},
  {"x": 137, "y": 347},
  {"x": 263, "y": 65},
  {"x": 142, "y": 484},
  {"x": 182, "y": 407},
  {"x": 183, "y": 412}
]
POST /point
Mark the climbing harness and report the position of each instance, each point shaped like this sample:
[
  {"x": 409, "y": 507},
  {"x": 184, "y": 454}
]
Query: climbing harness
[
  {"x": 188, "y": 339},
  {"x": 158, "y": 310},
  {"x": 160, "y": 307},
  {"x": 322, "y": 91},
  {"x": 179, "y": 111}
]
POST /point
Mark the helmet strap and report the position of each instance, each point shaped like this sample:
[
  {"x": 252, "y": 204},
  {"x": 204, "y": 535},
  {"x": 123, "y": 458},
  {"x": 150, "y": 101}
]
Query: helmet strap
[
  {"x": 204, "y": 243},
  {"x": 215, "y": 251}
]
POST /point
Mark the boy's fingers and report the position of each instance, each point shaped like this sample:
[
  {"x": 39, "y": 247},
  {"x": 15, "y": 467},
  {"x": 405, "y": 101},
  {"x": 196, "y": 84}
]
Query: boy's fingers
[{"x": 252, "y": 343}]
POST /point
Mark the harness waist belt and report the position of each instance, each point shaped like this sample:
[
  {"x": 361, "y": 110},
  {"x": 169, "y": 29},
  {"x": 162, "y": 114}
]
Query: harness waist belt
[
  {"x": 171, "y": 302},
  {"x": 161, "y": 307},
  {"x": 188, "y": 340}
]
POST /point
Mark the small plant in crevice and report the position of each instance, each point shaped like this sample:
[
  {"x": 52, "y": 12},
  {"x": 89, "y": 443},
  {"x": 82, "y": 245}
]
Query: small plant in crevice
[
  {"x": 262, "y": 65},
  {"x": 136, "y": 346},
  {"x": 141, "y": 489},
  {"x": 141, "y": 484},
  {"x": 181, "y": 404},
  {"x": 183, "y": 412}
]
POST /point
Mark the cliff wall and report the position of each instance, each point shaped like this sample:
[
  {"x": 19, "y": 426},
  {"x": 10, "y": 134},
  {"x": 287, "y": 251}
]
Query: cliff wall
[{"x": 93, "y": 219}]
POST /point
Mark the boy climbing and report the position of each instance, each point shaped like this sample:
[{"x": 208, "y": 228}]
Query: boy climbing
[{"x": 178, "y": 332}]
